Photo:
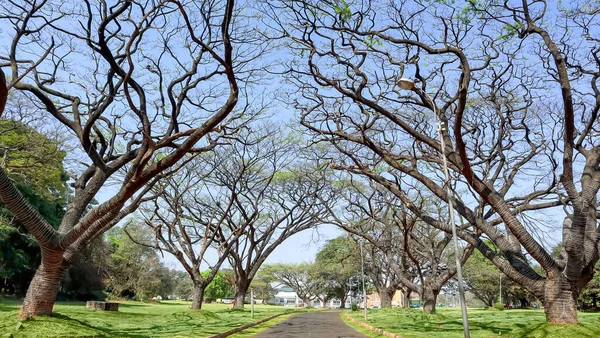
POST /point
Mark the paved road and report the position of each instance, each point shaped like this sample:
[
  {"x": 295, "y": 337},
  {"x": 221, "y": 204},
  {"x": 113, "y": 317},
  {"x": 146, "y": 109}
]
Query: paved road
[{"x": 314, "y": 325}]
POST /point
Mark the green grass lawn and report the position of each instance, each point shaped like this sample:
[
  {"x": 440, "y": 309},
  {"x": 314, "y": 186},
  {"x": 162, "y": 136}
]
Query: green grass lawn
[
  {"x": 167, "y": 319},
  {"x": 447, "y": 323}
]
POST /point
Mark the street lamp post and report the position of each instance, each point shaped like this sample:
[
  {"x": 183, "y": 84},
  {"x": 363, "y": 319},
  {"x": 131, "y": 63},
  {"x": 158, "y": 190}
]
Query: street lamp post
[
  {"x": 362, "y": 264},
  {"x": 501, "y": 290},
  {"x": 408, "y": 84}
]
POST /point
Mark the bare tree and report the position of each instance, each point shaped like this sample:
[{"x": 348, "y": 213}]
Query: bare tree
[
  {"x": 279, "y": 195},
  {"x": 138, "y": 85},
  {"x": 299, "y": 277},
  {"x": 517, "y": 104},
  {"x": 187, "y": 216},
  {"x": 411, "y": 247}
]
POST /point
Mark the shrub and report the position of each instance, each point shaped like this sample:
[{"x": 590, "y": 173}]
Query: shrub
[
  {"x": 354, "y": 307},
  {"x": 499, "y": 306}
]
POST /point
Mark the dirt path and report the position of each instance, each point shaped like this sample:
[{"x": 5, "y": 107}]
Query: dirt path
[{"x": 314, "y": 325}]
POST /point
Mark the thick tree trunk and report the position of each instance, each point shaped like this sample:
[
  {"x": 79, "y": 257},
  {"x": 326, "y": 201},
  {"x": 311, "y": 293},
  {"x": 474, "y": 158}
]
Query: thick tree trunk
[
  {"x": 386, "y": 295},
  {"x": 429, "y": 299},
  {"x": 306, "y": 302},
  {"x": 197, "y": 296},
  {"x": 241, "y": 289},
  {"x": 343, "y": 302},
  {"x": 560, "y": 302},
  {"x": 42, "y": 291},
  {"x": 406, "y": 299}
]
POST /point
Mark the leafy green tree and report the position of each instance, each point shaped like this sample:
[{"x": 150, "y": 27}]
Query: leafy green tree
[
  {"x": 482, "y": 278},
  {"x": 219, "y": 287},
  {"x": 34, "y": 162},
  {"x": 135, "y": 271},
  {"x": 338, "y": 260},
  {"x": 591, "y": 293},
  {"x": 262, "y": 286}
]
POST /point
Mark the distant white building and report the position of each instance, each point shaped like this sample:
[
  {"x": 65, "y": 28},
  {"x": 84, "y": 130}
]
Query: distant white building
[{"x": 286, "y": 296}]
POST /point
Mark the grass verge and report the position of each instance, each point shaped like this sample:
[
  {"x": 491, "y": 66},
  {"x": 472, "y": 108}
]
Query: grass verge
[
  {"x": 134, "y": 319},
  {"x": 361, "y": 329},
  {"x": 447, "y": 323}
]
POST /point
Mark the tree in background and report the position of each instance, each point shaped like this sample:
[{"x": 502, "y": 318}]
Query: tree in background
[
  {"x": 135, "y": 271},
  {"x": 186, "y": 215},
  {"x": 277, "y": 193},
  {"x": 300, "y": 277},
  {"x": 413, "y": 248},
  {"x": 336, "y": 262},
  {"x": 591, "y": 292},
  {"x": 262, "y": 286},
  {"x": 219, "y": 287},
  {"x": 482, "y": 278},
  {"x": 34, "y": 161}
]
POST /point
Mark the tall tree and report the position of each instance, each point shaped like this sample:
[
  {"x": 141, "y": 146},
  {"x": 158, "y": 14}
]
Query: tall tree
[
  {"x": 186, "y": 216},
  {"x": 138, "y": 85},
  {"x": 277, "y": 195},
  {"x": 517, "y": 102},
  {"x": 335, "y": 264},
  {"x": 413, "y": 248}
]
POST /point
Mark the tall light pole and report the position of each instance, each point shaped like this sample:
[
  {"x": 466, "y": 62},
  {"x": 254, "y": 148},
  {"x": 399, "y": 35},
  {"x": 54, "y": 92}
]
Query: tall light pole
[
  {"x": 501, "y": 290},
  {"x": 408, "y": 84},
  {"x": 362, "y": 264}
]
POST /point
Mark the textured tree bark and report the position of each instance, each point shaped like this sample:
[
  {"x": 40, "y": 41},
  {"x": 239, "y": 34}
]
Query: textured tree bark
[
  {"x": 429, "y": 299},
  {"x": 386, "y": 295},
  {"x": 43, "y": 289},
  {"x": 306, "y": 301},
  {"x": 197, "y": 296},
  {"x": 406, "y": 299},
  {"x": 343, "y": 302},
  {"x": 241, "y": 289},
  {"x": 560, "y": 302}
]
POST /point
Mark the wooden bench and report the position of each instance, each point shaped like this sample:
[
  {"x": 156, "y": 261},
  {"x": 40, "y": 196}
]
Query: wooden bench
[{"x": 104, "y": 306}]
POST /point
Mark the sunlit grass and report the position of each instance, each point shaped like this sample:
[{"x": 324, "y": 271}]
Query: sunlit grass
[
  {"x": 167, "y": 319},
  {"x": 447, "y": 323}
]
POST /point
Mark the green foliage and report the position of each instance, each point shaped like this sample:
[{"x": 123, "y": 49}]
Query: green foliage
[
  {"x": 33, "y": 160},
  {"x": 218, "y": 287},
  {"x": 373, "y": 41},
  {"x": 499, "y": 306},
  {"x": 337, "y": 261},
  {"x": 591, "y": 293},
  {"x": 343, "y": 10},
  {"x": 511, "y": 30},
  {"x": 261, "y": 286},
  {"x": 354, "y": 307},
  {"x": 135, "y": 271}
]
